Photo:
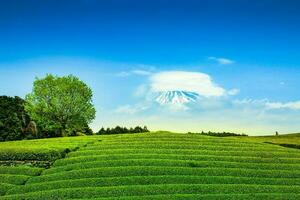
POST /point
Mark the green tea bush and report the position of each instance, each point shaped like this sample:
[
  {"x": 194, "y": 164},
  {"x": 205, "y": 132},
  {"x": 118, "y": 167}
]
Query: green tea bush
[
  {"x": 241, "y": 159},
  {"x": 174, "y": 163},
  {"x": 219, "y": 134},
  {"x": 141, "y": 190},
  {"x": 264, "y": 196},
  {"x": 151, "y": 171},
  {"x": 150, "y": 180},
  {"x": 30, "y": 171},
  {"x": 4, "y": 187},
  {"x": 10, "y": 177},
  {"x": 187, "y": 147},
  {"x": 186, "y": 152},
  {"x": 21, "y": 154},
  {"x": 160, "y": 166},
  {"x": 13, "y": 179}
]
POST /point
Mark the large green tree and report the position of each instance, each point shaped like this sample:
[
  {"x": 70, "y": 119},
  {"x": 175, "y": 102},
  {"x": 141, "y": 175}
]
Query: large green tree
[{"x": 60, "y": 104}]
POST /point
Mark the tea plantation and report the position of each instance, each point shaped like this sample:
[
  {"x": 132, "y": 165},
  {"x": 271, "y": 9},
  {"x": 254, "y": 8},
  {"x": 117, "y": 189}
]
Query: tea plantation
[{"x": 149, "y": 166}]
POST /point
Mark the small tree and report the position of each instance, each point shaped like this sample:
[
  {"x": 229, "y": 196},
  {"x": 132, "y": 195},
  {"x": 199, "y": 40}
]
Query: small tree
[
  {"x": 137, "y": 129},
  {"x": 145, "y": 129},
  {"x": 131, "y": 130},
  {"x": 87, "y": 130},
  {"x": 118, "y": 130},
  {"x": 60, "y": 104},
  {"x": 125, "y": 130},
  {"x": 101, "y": 131}
]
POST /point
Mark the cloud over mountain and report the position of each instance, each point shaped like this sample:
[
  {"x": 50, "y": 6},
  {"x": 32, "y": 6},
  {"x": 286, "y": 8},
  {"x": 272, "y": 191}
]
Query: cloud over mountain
[{"x": 194, "y": 82}]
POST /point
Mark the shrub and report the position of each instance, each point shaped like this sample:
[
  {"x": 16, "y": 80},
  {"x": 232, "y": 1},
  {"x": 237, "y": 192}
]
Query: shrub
[
  {"x": 225, "y": 152},
  {"x": 149, "y": 180},
  {"x": 174, "y": 163},
  {"x": 31, "y": 154},
  {"x": 219, "y": 134},
  {"x": 142, "y": 190},
  {"x": 13, "y": 179},
  {"x": 120, "y": 130},
  {"x": 30, "y": 171},
  {"x": 4, "y": 187},
  {"x": 210, "y": 158},
  {"x": 155, "y": 170}
]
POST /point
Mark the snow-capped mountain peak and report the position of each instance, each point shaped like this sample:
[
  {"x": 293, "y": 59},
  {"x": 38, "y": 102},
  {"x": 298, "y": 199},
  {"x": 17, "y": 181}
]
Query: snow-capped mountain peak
[{"x": 176, "y": 97}]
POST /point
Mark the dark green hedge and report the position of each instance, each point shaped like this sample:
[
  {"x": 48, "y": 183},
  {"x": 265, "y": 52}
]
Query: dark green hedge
[
  {"x": 31, "y": 154},
  {"x": 150, "y": 180},
  {"x": 141, "y": 190}
]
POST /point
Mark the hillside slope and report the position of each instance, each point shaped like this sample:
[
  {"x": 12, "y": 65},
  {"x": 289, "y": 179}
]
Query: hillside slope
[
  {"x": 286, "y": 140},
  {"x": 168, "y": 166}
]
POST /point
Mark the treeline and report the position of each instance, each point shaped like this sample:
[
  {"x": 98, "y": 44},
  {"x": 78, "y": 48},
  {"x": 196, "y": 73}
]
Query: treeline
[
  {"x": 16, "y": 124},
  {"x": 219, "y": 134},
  {"x": 57, "y": 106},
  {"x": 119, "y": 130}
]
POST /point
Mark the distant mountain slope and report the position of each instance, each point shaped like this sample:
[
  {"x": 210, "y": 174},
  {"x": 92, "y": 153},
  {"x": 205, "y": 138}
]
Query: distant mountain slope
[{"x": 176, "y": 97}]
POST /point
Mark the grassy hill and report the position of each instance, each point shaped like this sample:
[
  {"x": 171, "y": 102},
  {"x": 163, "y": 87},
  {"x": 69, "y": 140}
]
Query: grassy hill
[
  {"x": 287, "y": 140},
  {"x": 150, "y": 166}
]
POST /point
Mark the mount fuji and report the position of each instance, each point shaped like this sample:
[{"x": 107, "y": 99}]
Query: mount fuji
[{"x": 176, "y": 97}]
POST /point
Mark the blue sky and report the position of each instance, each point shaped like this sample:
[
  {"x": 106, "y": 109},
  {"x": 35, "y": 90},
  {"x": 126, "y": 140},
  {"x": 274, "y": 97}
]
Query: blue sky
[{"x": 249, "y": 50}]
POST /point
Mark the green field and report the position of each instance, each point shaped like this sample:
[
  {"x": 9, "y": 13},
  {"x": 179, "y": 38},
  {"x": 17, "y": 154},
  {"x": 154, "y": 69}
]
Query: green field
[{"x": 151, "y": 166}]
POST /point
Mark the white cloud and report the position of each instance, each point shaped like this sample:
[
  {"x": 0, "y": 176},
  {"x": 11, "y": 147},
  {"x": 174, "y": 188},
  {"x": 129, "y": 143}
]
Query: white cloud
[
  {"x": 221, "y": 61},
  {"x": 141, "y": 91},
  {"x": 141, "y": 72},
  {"x": 177, "y": 107},
  {"x": 267, "y": 104},
  {"x": 138, "y": 72},
  {"x": 130, "y": 109},
  {"x": 123, "y": 74},
  {"x": 295, "y": 105},
  {"x": 253, "y": 102},
  {"x": 233, "y": 92},
  {"x": 197, "y": 82}
]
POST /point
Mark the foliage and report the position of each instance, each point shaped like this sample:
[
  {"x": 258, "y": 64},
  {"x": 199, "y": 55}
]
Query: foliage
[
  {"x": 219, "y": 134},
  {"x": 168, "y": 163},
  {"x": 289, "y": 140},
  {"x": 13, "y": 118},
  {"x": 163, "y": 166},
  {"x": 30, "y": 171},
  {"x": 296, "y": 146},
  {"x": 204, "y": 158},
  {"x": 12, "y": 176},
  {"x": 84, "y": 130},
  {"x": 159, "y": 189},
  {"x": 23, "y": 154},
  {"x": 147, "y": 180},
  {"x": 60, "y": 105},
  {"x": 16, "y": 179},
  {"x": 119, "y": 130},
  {"x": 40, "y": 152},
  {"x": 4, "y": 187}
]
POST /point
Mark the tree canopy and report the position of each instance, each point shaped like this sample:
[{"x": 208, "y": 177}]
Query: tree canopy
[
  {"x": 119, "y": 130},
  {"x": 60, "y": 104},
  {"x": 13, "y": 118}
]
